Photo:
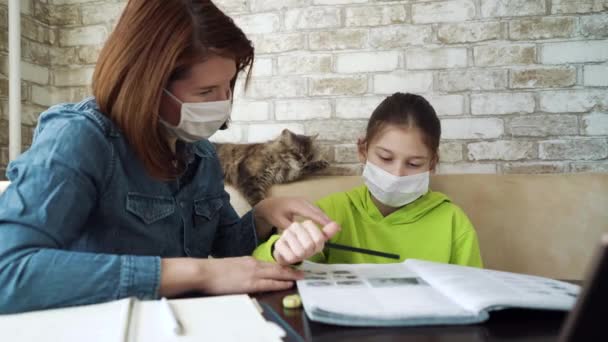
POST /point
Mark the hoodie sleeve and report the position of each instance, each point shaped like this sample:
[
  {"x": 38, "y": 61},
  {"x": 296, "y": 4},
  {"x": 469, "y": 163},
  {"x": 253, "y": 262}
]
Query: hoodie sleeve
[{"x": 465, "y": 247}]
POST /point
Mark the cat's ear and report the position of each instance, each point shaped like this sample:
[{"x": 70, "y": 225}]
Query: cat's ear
[
  {"x": 362, "y": 150},
  {"x": 286, "y": 135}
]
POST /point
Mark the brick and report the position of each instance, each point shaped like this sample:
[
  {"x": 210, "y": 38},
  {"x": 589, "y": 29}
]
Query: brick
[
  {"x": 338, "y": 39},
  {"x": 560, "y": 77},
  {"x": 542, "y": 28},
  {"x": 594, "y": 25},
  {"x": 401, "y": 81},
  {"x": 250, "y": 111},
  {"x": 346, "y": 153},
  {"x": 575, "y": 52},
  {"x": 3, "y": 87},
  {"x": 494, "y": 55},
  {"x": 276, "y": 87},
  {"x": 272, "y": 5},
  {"x": 345, "y": 85},
  {"x": 280, "y": 42},
  {"x": 574, "y": 149},
  {"x": 367, "y": 62},
  {"x": 576, "y": 6},
  {"x": 30, "y": 113},
  {"x": 466, "y": 168},
  {"x": 589, "y": 167},
  {"x": 440, "y": 58},
  {"x": 469, "y": 32},
  {"x": 304, "y": 64},
  {"x": 88, "y": 54},
  {"x": 34, "y": 73},
  {"x": 302, "y": 109},
  {"x": 57, "y": 15},
  {"x": 265, "y": 132},
  {"x": 33, "y": 30},
  {"x": 101, "y": 13},
  {"x": 234, "y": 134},
  {"x": 236, "y": 6},
  {"x": 3, "y": 17},
  {"x": 73, "y": 77},
  {"x": 258, "y": 23},
  {"x": 471, "y": 79},
  {"x": 356, "y": 107},
  {"x": 48, "y": 96},
  {"x": 312, "y": 17},
  {"x": 501, "y": 150},
  {"x": 375, "y": 15},
  {"x": 450, "y": 152},
  {"x": 502, "y": 103},
  {"x": 447, "y": 104},
  {"x": 542, "y": 125},
  {"x": 478, "y": 128},
  {"x": 34, "y": 52},
  {"x": 595, "y": 124},
  {"x": 444, "y": 11},
  {"x": 534, "y": 167},
  {"x": 262, "y": 67},
  {"x": 338, "y": 2},
  {"x": 87, "y": 35},
  {"x": 332, "y": 130},
  {"x": 572, "y": 101},
  {"x": 399, "y": 36},
  {"x": 512, "y": 8},
  {"x": 596, "y": 75}
]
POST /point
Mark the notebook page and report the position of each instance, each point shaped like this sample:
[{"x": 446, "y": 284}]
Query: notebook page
[
  {"x": 105, "y": 322},
  {"x": 375, "y": 291},
  {"x": 480, "y": 289},
  {"x": 221, "y": 318}
]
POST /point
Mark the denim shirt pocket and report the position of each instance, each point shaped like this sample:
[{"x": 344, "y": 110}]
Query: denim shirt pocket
[
  {"x": 206, "y": 219},
  {"x": 150, "y": 208}
]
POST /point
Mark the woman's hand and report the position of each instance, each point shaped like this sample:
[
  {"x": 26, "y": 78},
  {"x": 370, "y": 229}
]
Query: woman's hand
[
  {"x": 281, "y": 212},
  {"x": 224, "y": 276},
  {"x": 301, "y": 241}
]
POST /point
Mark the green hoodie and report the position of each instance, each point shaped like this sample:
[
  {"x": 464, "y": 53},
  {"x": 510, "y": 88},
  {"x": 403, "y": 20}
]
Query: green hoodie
[{"x": 430, "y": 228}]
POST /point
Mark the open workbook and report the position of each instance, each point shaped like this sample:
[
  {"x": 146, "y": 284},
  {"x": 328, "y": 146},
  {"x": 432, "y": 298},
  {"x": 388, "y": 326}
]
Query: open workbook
[
  {"x": 419, "y": 292},
  {"x": 225, "y": 318}
]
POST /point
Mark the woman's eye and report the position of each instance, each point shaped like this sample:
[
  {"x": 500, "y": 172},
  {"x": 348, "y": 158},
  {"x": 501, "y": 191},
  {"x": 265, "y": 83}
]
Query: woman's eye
[
  {"x": 206, "y": 92},
  {"x": 414, "y": 165},
  {"x": 385, "y": 158}
]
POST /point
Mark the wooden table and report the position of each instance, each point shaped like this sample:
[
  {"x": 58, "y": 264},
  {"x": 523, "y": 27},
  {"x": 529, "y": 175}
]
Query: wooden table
[{"x": 506, "y": 325}]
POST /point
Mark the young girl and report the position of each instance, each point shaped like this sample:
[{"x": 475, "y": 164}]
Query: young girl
[{"x": 394, "y": 211}]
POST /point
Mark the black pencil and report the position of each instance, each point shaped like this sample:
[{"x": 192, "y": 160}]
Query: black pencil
[{"x": 362, "y": 250}]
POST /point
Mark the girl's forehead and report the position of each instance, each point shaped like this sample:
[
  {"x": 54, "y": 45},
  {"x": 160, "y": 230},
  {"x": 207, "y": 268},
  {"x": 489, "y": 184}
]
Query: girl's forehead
[{"x": 401, "y": 139}]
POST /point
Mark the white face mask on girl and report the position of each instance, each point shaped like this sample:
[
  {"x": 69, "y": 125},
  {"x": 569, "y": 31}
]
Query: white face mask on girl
[
  {"x": 199, "y": 120},
  {"x": 394, "y": 191}
]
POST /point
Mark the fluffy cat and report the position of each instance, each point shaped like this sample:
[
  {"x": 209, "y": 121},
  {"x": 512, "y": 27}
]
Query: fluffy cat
[{"x": 254, "y": 168}]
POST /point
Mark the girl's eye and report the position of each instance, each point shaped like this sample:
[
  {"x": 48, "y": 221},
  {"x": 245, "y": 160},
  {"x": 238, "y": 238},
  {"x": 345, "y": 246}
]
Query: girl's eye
[
  {"x": 385, "y": 158},
  {"x": 414, "y": 165},
  {"x": 206, "y": 92}
]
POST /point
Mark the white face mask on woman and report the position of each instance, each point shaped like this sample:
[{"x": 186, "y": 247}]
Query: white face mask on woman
[
  {"x": 392, "y": 190},
  {"x": 199, "y": 120}
]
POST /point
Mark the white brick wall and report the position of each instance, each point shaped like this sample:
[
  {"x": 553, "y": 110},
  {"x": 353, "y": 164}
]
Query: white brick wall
[{"x": 521, "y": 86}]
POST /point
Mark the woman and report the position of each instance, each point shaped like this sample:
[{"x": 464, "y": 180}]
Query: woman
[{"x": 121, "y": 194}]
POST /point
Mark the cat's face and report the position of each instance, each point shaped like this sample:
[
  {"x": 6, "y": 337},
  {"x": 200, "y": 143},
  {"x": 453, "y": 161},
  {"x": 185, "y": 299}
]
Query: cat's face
[{"x": 302, "y": 145}]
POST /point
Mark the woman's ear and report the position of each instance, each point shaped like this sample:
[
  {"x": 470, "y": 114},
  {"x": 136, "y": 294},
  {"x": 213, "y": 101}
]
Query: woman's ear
[{"x": 362, "y": 150}]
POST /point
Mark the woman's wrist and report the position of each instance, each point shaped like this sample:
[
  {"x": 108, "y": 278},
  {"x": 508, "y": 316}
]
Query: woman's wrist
[{"x": 179, "y": 275}]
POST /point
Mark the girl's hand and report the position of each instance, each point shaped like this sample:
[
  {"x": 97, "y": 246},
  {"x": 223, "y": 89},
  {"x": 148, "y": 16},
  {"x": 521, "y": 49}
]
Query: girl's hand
[{"x": 301, "y": 241}]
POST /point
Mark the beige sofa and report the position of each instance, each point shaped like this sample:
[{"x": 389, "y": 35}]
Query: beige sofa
[{"x": 546, "y": 225}]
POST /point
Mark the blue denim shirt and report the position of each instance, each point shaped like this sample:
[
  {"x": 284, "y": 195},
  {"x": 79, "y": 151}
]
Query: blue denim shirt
[{"x": 82, "y": 222}]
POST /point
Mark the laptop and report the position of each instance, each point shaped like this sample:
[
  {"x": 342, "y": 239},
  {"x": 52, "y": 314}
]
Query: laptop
[{"x": 587, "y": 320}]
